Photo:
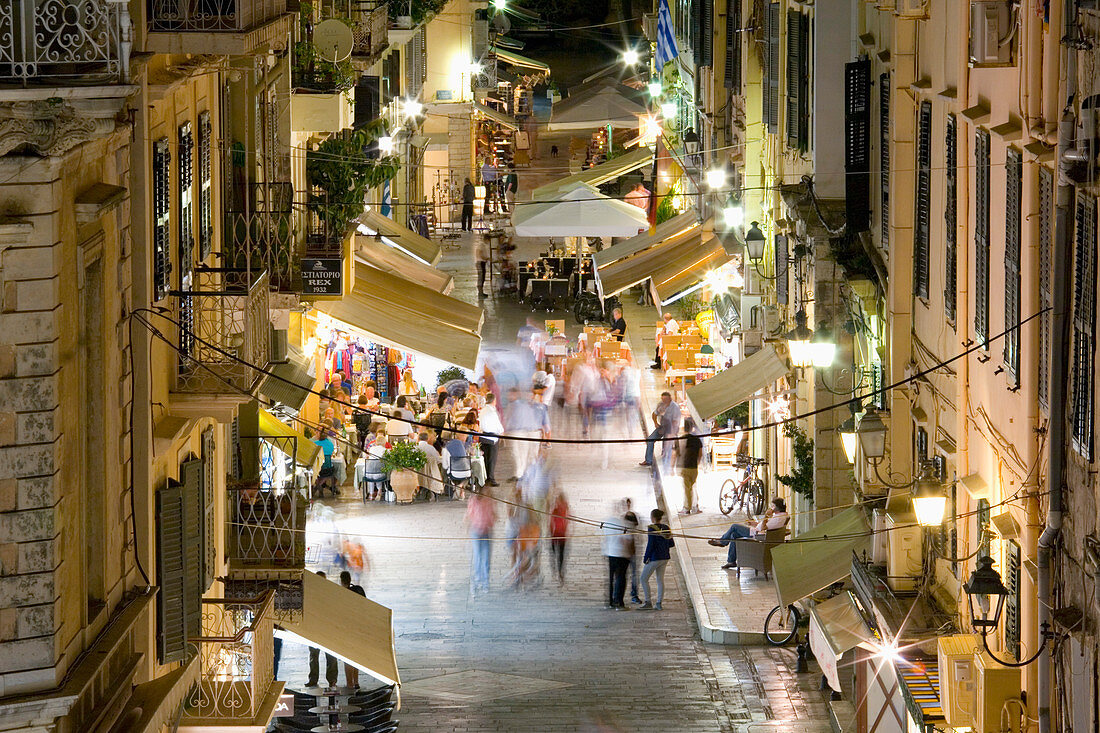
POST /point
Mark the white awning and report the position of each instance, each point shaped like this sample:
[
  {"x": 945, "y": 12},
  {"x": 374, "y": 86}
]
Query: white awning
[
  {"x": 820, "y": 557},
  {"x": 598, "y": 174},
  {"x": 733, "y": 386},
  {"x": 498, "y": 117},
  {"x": 836, "y": 626},
  {"x": 347, "y": 625},
  {"x": 665, "y": 230},
  {"x": 581, "y": 211},
  {"x": 406, "y": 239},
  {"x": 597, "y": 107}
]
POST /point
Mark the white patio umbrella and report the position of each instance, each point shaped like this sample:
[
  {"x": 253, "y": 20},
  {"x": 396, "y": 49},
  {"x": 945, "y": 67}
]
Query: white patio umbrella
[{"x": 580, "y": 211}]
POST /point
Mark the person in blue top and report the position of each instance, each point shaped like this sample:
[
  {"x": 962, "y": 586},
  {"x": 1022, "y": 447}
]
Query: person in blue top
[
  {"x": 657, "y": 555},
  {"x": 327, "y": 474}
]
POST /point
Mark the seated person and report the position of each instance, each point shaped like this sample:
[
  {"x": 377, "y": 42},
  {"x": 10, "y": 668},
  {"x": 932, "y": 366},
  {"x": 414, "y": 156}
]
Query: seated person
[
  {"x": 454, "y": 450},
  {"x": 401, "y": 409},
  {"x": 432, "y": 477},
  {"x": 362, "y": 419},
  {"x": 775, "y": 518},
  {"x": 369, "y": 391}
]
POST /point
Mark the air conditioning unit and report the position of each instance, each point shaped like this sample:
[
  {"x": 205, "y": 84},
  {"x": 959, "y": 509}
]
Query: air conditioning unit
[
  {"x": 973, "y": 686},
  {"x": 990, "y": 33},
  {"x": 880, "y": 543},
  {"x": 911, "y": 8},
  {"x": 903, "y": 556},
  {"x": 752, "y": 317},
  {"x": 278, "y": 348}
]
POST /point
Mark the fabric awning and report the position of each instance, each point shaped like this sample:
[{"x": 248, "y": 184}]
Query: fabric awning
[
  {"x": 665, "y": 230},
  {"x": 519, "y": 60},
  {"x": 602, "y": 105},
  {"x": 347, "y": 625},
  {"x": 402, "y": 237},
  {"x": 410, "y": 317},
  {"x": 289, "y": 383},
  {"x": 662, "y": 257},
  {"x": 598, "y": 174},
  {"x": 729, "y": 388},
  {"x": 306, "y": 452},
  {"x": 820, "y": 557},
  {"x": 383, "y": 255},
  {"x": 498, "y": 117},
  {"x": 687, "y": 267},
  {"x": 836, "y": 626},
  {"x": 581, "y": 211}
]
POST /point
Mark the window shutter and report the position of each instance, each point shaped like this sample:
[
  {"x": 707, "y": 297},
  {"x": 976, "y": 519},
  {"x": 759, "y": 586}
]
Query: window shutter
[
  {"x": 194, "y": 557},
  {"x": 782, "y": 294},
  {"x": 857, "y": 144},
  {"x": 1046, "y": 296},
  {"x": 884, "y": 156},
  {"x": 162, "y": 256},
  {"x": 206, "y": 188},
  {"x": 171, "y": 615},
  {"x": 702, "y": 27},
  {"x": 921, "y": 230},
  {"x": 732, "y": 78},
  {"x": 804, "y": 83},
  {"x": 1012, "y": 602},
  {"x": 209, "y": 528},
  {"x": 794, "y": 68},
  {"x": 950, "y": 215},
  {"x": 1084, "y": 324},
  {"x": 186, "y": 225},
  {"x": 771, "y": 80},
  {"x": 981, "y": 236},
  {"x": 1014, "y": 183}
]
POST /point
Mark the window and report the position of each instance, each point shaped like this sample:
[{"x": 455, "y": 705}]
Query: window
[
  {"x": 1014, "y": 184},
  {"x": 209, "y": 528},
  {"x": 884, "y": 156},
  {"x": 1012, "y": 602},
  {"x": 798, "y": 72},
  {"x": 1084, "y": 323},
  {"x": 771, "y": 69},
  {"x": 1046, "y": 295},
  {"x": 921, "y": 441},
  {"x": 162, "y": 256},
  {"x": 171, "y": 618},
  {"x": 186, "y": 243},
  {"x": 981, "y": 237},
  {"x": 782, "y": 289},
  {"x": 702, "y": 30},
  {"x": 922, "y": 225},
  {"x": 950, "y": 215},
  {"x": 732, "y": 78},
  {"x": 206, "y": 188}
]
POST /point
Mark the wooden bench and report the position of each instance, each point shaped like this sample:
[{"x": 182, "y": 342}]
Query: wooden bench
[{"x": 756, "y": 554}]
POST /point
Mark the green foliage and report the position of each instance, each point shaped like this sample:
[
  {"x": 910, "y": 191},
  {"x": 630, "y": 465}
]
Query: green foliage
[
  {"x": 313, "y": 72},
  {"x": 343, "y": 172},
  {"x": 420, "y": 10},
  {"x": 448, "y": 374},
  {"x": 738, "y": 414},
  {"x": 801, "y": 479},
  {"x": 665, "y": 209},
  {"x": 403, "y": 457},
  {"x": 690, "y": 305}
]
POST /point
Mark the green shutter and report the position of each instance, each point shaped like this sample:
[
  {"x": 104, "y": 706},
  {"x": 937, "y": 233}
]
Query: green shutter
[
  {"x": 1046, "y": 296},
  {"x": 981, "y": 237},
  {"x": 194, "y": 554},
  {"x": 1012, "y": 603},
  {"x": 1014, "y": 184},
  {"x": 209, "y": 528},
  {"x": 771, "y": 68},
  {"x": 794, "y": 84},
  {"x": 950, "y": 215},
  {"x": 171, "y": 616},
  {"x": 922, "y": 225}
]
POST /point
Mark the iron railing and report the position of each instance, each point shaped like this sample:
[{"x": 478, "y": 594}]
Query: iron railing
[
  {"x": 371, "y": 32},
  {"x": 263, "y": 239},
  {"x": 230, "y": 327},
  {"x": 267, "y": 525},
  {"x": 43, "y": 41},
  {"x": 237, "y": 656},
  {"x": 212, "y": 15}
]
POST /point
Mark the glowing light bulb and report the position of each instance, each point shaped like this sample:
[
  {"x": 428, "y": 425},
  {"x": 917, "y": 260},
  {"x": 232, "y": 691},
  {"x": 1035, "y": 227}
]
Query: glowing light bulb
[
  {"x": 413, "y": 108},
  {"x": 716, "y": 178},
  {"x": 669, "y": 110},
  {"x": 630, "y": 57},
  {"x": 654, "y": 88}
]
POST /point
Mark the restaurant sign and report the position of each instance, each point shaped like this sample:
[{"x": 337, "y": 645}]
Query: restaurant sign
[
  {"x": 284, "y": 708},
  {"x": 322, "y": 276}
]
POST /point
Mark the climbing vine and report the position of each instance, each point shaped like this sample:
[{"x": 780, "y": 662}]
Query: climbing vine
[{"x": 801, "y": 478}]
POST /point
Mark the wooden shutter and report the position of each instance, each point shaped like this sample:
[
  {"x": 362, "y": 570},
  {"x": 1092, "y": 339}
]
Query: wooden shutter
[
  {"x": 171, "y": 615},
  {"x": 857, "y": 144},
  {"x": 209, "y": 527},
  {"x": 1014, "y": 184},
  {"x": 981, "y": 236},
  {"x": 884, "y": 157},
  {"x": 206, "y": 187},
  {"x": 1046, "y": 295},
  {"x": 162, "y": 255},
  {"x": 782, "y": 292},
  {"x": 950, "y": 216},
  {"x": 771, "y": 69},
  {"x": 732, "y": 77},
  {"x": 1084, "y": 323},
  {"x": 703, "y": 31},
  {"x": 194, "y": 557},
  {"x": 923, "y": 222},
  {"x": 185, "y": 175},
  {"x": 1012, "y": 602},
  {"x": 794, "y": 69}
]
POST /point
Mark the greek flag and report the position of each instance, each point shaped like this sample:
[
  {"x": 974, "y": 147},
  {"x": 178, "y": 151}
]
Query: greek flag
[{"x": 666, "y": 37}]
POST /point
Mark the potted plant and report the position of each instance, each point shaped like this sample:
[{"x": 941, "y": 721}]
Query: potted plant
[{"x": 404, "y": 463}]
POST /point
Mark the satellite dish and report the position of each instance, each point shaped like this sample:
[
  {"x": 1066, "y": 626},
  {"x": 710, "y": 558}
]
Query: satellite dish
[
  {"x": 333, "y": 40},
  {"x": 501, "y": 24}
]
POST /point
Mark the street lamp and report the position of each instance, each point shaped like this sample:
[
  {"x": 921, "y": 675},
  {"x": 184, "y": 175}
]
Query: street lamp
[
  {"x": 631, "y": 57},
  {"x": 929, "y": 501},
  {"x": 500, "y": 4},
  {"x": 754, "y": 242},
  {"x": 848, "y": 438},
  {"x": 413, "y": 108},
  {"x": 716, "y": 178},
  {"x": 872, "y": 435},
  {"x": 385, "y": 145},
  {"x": 654, "y": 88},
  {"x": 985, "y": 596},
  {"x": 691, "y": 146},
  {"x": 669, "y": 110},
  {"x": 806, "y": 348},
  {"x": 733, "y": 214},
  {"x": 823, "y": 347}
]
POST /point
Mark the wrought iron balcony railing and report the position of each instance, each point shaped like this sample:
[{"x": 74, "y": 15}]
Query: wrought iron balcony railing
[
  {"x": 226, "y": 311},
  {"x": 267, "y": 522},
  {"x": 44, "y": 42},
  {"x": 371, "y": 31},
  {"x": 237, "y": 679},
  {"x": 212, "y": 15},
  {"x": 260, "y": 232}
]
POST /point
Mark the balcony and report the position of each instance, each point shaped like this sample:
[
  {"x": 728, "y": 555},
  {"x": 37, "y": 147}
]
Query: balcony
[
  {"x": 260, "y": 233},
  {"x": 226, "y": 313},
  {"x": 237, "y": 685},
  {"x": 371, "y": 31},
  {"x": 267, "y": 522},
  {"x": 225, "y": 28},
  {"x": 60, "y": 43}
]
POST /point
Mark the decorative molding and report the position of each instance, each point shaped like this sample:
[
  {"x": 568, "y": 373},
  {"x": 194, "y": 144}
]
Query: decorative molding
[
  {"x": 51, "y": 127},
  {"x": 98, "y": 199}
]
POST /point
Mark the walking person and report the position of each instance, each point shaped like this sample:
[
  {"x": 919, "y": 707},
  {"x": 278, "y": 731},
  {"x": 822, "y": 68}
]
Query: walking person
[
  {"x": 469, "y": 193},
  {"x": 559, "y": 529},
  {"x": 689, "y": 466},
  {"x": 666, "y": 424},
  {"x": 489, "y": 179},
  {"x": 481, "y": 515},
  {"x": 511, "y": 185},
  {"x": 614, "y": 547},
  {"x": 351, "y": 672},
  {"x": 658, "y": 543},
  {"x": 526, "y": 417},
  {"x": 775, "y": 518},
  {"x": 491, "y": 427},
  {"x": 331, "y": 670},
  {"x": 482, "y": 256}
]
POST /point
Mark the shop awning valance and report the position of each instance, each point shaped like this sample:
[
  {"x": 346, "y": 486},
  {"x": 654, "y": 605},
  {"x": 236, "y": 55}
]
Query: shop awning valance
[
  {"x": 580, "y": 211},
  {"x": 665, "y": 230},
  {"x": 498, "y": 117},
  {"x": 521, "y": 61},
  {"x": 729, "y": 388},
  {"x": 598, "y": 174},
  {"x": 347, "y": 625},
  {"x": 820, "y": 557},
  {"x": 410, "y": 317},
  {"x": 383, "y": 255},
  {"x": 837, "y": 626},
  {"x": 670, "y": 261},
  {"x": 306, "y": 453},
  {"x": 289, "y": 383},
  {"x": 689, "y": 269},
  {"x": 406, "y": 239}
]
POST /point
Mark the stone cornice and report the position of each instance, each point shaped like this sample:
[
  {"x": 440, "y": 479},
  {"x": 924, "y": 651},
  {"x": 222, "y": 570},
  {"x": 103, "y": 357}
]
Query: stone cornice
[{"x": 54, "y": 126}]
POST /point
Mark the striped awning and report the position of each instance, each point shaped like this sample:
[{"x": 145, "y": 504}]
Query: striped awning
[
  {"x": 676, "y": 264},
  {"x": 404, "y": 238},
  {"x": 289, "y": 383}
]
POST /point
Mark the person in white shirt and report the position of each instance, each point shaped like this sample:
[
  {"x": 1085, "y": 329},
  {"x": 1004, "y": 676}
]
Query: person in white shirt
[
  {"x": 775, "y": 518},
  {"x": 671, "y": 327},
  {"x": 491, "y": 425},
  {"x": 433, "y": 469}
]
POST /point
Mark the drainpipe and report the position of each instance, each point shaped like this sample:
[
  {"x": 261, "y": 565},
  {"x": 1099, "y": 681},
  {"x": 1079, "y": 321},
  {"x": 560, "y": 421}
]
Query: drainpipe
[{"x": 1059, "y": 357}]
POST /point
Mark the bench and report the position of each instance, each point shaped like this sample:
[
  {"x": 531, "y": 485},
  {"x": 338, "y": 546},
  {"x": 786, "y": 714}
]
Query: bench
[{"x": 756, "y": 554}]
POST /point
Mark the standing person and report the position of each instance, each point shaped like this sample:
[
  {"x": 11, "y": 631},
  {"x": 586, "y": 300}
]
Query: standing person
[
  {"x": 689, "y": 466},
  {"x": 511, "y": 185},
  {"x": 351, "y": 672},
  {"x": 671, "y": 328},
  {"x": 327, "y": 475},
  {"x": 618, "y": 559},
  {"x": 631, "y": 521},
  {"x": 361, "y": 418},
  {"x": 469, "y": 193},
  {"x": 618, "y": 324},
  {"x": 481, "y": 515},
  {"x": 482, "y": 257},
  {"x": 658, "y": 543},
  {"x": 491, "y": 426},
  {"x": 559, "y": 529},
  {"x": 666, "y": 424},
  {"x": 775, "y": 518},
  {"x": 332, "y": 672},
  {"x": 489, "y": 180},
  {"x": 526, "y": 417}
]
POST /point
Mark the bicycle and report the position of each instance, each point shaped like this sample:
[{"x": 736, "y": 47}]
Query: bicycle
[
  {"x": 781, "y": 624},
  {"x": 748, "y": 492},
  {"x": 587, "y": 308}
]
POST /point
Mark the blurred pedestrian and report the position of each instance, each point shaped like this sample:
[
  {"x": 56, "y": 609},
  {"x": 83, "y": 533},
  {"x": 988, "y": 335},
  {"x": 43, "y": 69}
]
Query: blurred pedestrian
[
  {"x": 491, "y": 427},
  {"x": 630, "y": 521},
  {"x": 482, "y": 256},
  {"x": 618, "y": 555},
  {"x": 527, "y": 419},
  {"x": 481, "y": 515},
  {"x": 489, "y": 179},
  {"x": 658, "y": 543},
  {"x": 511, "y": 185},
  {"x": 351, "y": 672},
  {"x": 469, "y": 193},
  {"x": 689, "y": 466},
  {"x": 559, "y": 531}
]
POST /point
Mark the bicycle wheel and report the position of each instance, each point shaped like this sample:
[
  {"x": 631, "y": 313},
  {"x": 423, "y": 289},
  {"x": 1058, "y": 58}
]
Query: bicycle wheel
[
  {"x": 781, "y": 625},
  {"x": 727, "y": 496},
  {"x": 755, "y": 497}
]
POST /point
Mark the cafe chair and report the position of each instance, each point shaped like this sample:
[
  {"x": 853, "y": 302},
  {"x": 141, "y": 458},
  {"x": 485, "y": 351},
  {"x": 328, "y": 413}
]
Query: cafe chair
[
  {"x": 756, "y": 554},
  {"x": 458, "y": 469},
  {"x": 374, "y": 481}
]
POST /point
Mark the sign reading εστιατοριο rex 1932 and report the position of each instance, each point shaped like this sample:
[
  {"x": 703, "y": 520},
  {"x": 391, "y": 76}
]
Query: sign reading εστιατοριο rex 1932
[{"x": 322, "y": 276}]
